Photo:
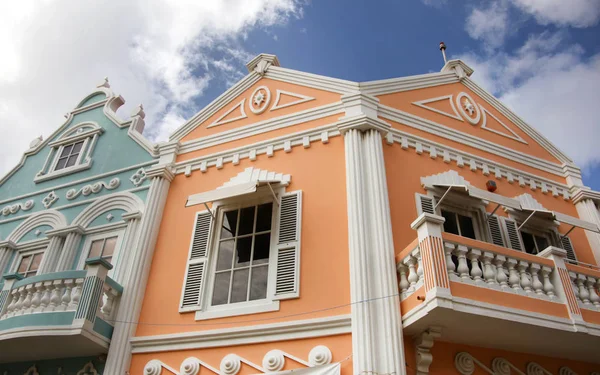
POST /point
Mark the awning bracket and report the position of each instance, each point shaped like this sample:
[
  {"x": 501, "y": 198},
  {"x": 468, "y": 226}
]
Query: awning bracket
[
  {"x": 526, "y": 220},
  {"x": 274, "y": 195},
  {"x": 209, "y": 210},
  {"x": 569, "y": 231},
  {"x": 443, "y": 196},
  {"x": 493, "y": 212}
]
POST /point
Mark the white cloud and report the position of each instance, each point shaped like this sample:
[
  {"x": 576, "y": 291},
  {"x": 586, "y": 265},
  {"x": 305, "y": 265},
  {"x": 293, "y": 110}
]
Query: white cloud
[
  {"x": 163, "y": 53},
  {"x": 576, "y": 13},
  {"x": 555, "y": 91},
  {"x": 489, "y": 24}
]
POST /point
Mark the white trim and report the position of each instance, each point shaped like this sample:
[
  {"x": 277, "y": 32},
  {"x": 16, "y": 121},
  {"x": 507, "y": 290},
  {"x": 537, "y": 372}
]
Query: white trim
[
  {"x": 471, "y": 120},
  {"x": 421, "y": 103},
  {"x": 394, "y": 85},
  {"x": 243, "y": 115},
  {"x": 485, "y": 112},
  {"x": 315, "y": 81},
  {"x": 303, "y": 99},
  {"x": 252, "y": 334},
  {"x": 233, "y": 310},
  {"x": 259, "y": 110},
  {"x": 85, "y": 249}
]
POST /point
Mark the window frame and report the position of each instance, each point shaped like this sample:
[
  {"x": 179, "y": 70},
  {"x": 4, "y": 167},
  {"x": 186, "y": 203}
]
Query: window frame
[
  {"x": 87, "y": 247},
  {"x": 465, "y": 206},
  {"x": 23, "y": 253},
  {"x": 59, "y": 152},
  {"x": 536, "y": 233}
]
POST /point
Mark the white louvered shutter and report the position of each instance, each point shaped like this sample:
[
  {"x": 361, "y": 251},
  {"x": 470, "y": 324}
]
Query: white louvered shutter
[
  {"x": 197, "y": 262},
  {"x": 287, "y": 282},
  {"x": 512, "y": 234},
  {"x": 495, "y": 230},
  {"x": 568, "y": 247},
  {"x": 425, "y": 204}
]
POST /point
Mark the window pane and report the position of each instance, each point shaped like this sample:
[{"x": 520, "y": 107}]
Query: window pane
[
  {"x": 528, "y": 242},
  {"x": 263, "y": 217},
  {"x": 71, "y": 161},
  {"x": 542, "y": 243},
  {"x": 243, "y": 247},
  {"x": 96, "y": 248},
  {"x": 466, "y": 226},
  {"x": 450, "y": 224},
  {"x": 239, "y": 289},
  {"x": 77, "y": 147},
  {"x": 24, "y": 264},
  {"x": 61, "y": 163},
  {"x": 229, "y": 223},
  {"x": 109, "y": 246},
  {"x": 35, "y": 263},
  {"x": 66, "y": 151},
  {"x": 225, "y": 255},
  {"x": 262, "y": 245},
  {"x": 258, "y": 284},
  {"x": 221, "y": 289},
  {"x": 246, "y": 221}
]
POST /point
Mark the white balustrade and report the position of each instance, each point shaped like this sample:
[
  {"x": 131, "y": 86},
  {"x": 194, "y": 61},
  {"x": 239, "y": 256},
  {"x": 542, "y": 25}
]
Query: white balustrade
[
  {"x": 410, "y": 273},
  {"x": 499, "y": 271},
  {"x": 586, "y": 290}
]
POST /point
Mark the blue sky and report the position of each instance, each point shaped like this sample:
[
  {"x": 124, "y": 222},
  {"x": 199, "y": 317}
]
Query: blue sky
[{"x": 540, "y": 57}]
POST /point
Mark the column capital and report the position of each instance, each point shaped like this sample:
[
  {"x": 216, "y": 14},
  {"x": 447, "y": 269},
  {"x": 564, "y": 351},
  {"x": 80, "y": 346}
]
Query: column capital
[
  {"x": 427, "y": 218},
  {"x": 459, "y": 68},
  {"x": 553, "y": 251},
  {"x": 8, "y": 244},
  {"x": 168, "y": 151},
  {"x": 261, "y": 63},
  {"x": 361, "y": 113},
  {"x": 162, "y": 171},
  {"x": 581, "y": 193},
  {"x": 363, "y": 123},
  {"x": 572, "y": 174},
  {"x": 64, "y": 231}
]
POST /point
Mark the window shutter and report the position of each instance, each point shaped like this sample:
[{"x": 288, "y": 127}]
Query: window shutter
[
  {"x": 512, "y": 231},
  {"x": 568, "y": 246},
  {"x": 425, "y": 204},
  {"x": 196, "y": 268},
  {"x": 287, "y": 283},
  {"x": 495, "y": 231}
]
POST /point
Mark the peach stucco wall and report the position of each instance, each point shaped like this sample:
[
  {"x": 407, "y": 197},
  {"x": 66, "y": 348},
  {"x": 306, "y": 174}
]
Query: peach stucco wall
[
  {"x": 320, "y": 173},
  {"x": 321, "y": 98},
  {"x": 340, "y": 346},
  {"x": 403, "y": 101},
  {"x": 404, "y": 168}
]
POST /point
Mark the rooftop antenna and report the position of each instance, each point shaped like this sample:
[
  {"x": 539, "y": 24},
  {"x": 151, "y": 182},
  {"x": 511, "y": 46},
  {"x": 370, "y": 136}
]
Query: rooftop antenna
[{"x": 443, "y": 49}]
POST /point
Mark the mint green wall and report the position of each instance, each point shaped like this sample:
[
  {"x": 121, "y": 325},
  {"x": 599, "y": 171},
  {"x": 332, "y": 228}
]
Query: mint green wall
[
  {"x": 102, "y": 220},
  {"x": 69, "y": 366},
  {"x": 92, "y": 99},
  {"x": 32, "y": 236}
]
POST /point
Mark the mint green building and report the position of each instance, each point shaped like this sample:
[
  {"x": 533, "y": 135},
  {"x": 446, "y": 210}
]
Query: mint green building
[{"x": 78, "y": 219}]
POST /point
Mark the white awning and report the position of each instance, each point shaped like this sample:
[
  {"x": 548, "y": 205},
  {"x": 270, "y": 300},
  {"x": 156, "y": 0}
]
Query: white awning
[
  {"x": 483, "y": 195},
  {"x": 227, "y": 192},
  {"x": 570, "y": 220}
]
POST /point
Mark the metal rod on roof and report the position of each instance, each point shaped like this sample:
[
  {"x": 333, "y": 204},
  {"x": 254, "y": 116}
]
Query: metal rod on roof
[
  {"x": 443, "y": 196},
  {"x": 443, "y": 49},
  {"x": 526, "y": 220}
]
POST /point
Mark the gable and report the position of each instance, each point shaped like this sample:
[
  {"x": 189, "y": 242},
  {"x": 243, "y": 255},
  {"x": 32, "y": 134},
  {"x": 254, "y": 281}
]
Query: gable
[
  {"x": 264, "y": 100},
  {"x": 459, "y": 108}
]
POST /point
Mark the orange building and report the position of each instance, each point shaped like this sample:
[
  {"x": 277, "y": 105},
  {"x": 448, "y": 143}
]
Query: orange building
[{"x": 406, "y": 226}]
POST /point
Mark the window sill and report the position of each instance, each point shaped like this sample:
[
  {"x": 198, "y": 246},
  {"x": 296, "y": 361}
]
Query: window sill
[
  {"x": 62, "y": 172},
  {"x": 227, "y": 311}
]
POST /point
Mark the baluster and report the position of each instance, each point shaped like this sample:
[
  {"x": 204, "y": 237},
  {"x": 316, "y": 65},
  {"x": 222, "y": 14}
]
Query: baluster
[
  {"x": 583, "y": 292},
  {"x": 410, "y": 261},
  {"x": 513, "y": 275},
  {"x": 46, "y": 297},
  {"x": 573, "y": 278},
  {"x": 476, "y": 272},
  {"x": 590, "y": 283},
  {"x": 525, "y": 280},
  {"x": 403, "y": 285},
  {"x": 76, "y": 294},
  {"x": 420, "y": 270},
  {"x": 448, "y": 249},
  {"x": 37, "y": 297},
  {"x": 66, "y": 297},
  {"x": 463, "y": 267},
  {"x": 28, "y": 297},
  {"x": 489, "y": 271},
  {"x": 548, "y": 287},
  {"x": 108, "y": 306},
  {"x": 19, "y": 305},
  {"x": 55, "y": 297},
  {"x": 535, "y": 279},
  {"x": 501, "y": 277},
  {"x": 14, "y": 297}
]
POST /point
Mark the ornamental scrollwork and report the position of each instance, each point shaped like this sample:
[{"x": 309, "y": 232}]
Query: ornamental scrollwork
[
  {"x": 49, "y": 199},
  {"x": 138, "y": 177},
  {"x": 94, "y": 188},
  {"x": 14, "y": 208}
]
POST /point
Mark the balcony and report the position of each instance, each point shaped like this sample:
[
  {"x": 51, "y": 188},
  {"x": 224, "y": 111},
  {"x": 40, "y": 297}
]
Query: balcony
[
  {"x": 486, "y": 295},
  {"x": 57, "y": 315}
]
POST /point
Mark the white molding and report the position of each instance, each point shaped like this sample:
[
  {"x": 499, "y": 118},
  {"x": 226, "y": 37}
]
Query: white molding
[
  {"x": 232, "y": 310},
  {"x": 485, "y": 113},
  {"x": 315, "y": 81},
  {"x": 302, "y": 99},
  {"x": 393, "y": 85},
  {"x": 265, "y": 105},
  {"x": 258, "y": 333},
  {"x": 52, "y": 218},
  {"x": 243, "y": 115},
  {"x": 421, "y": 103}
]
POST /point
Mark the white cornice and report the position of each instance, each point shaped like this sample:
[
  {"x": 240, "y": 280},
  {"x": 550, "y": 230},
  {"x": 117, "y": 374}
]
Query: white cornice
[
  {"x": 388, "y": 86},
  {"x": 467, "y": 139},
  {"x": 291, "y": 330},
  {"x": 316, "y": 81},
  {"x": 585, "y": 193}
]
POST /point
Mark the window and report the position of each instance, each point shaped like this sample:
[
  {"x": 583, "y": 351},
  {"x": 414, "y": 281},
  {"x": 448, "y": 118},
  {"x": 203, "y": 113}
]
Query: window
[
  {"x": 242, "y": 266},
  {"x": 69, "y": 155},
  {"x": 29, "y": 264},
  {"x": 103, "y": 248},
  {"x": 456, "y": 223},
  {"x": 533, "y": 243}
]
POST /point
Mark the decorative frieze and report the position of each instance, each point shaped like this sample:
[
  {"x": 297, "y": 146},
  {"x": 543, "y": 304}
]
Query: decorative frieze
[
  {"x": 138, "y": 177},
  {"x": 94, "y": 188},
  {"x": 14, "y": 208},
  {"x": 49, "y": 199}
]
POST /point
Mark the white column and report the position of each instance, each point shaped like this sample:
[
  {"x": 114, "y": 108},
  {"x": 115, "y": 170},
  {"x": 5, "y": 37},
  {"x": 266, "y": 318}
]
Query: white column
[
  {"x": 587, "y": 210},
  {"x": 6, "y": 250},
  {"x": 138, "y": 267},
  {"x": 51, "y": 255},
  {"x": 69, "y": 248}
]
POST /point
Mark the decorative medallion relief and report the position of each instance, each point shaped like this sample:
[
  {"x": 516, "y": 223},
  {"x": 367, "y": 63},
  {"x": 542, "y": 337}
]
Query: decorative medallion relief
[
  {"x": 260, "y": 99},
  {"x": 94, "y": 188},
  {"x": 464, "y": 107},
  {"x": 14, "y": 208},
  {"x": 465, "y": 363},
  {"x": 138, "y": 177},
  {"x": 49, "y": 200}
]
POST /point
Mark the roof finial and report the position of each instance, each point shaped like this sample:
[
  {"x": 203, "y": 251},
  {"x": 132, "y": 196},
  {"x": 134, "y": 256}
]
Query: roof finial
[
  {"x": 104, "y": 84},
  {"x": 443, "y": 49}
]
